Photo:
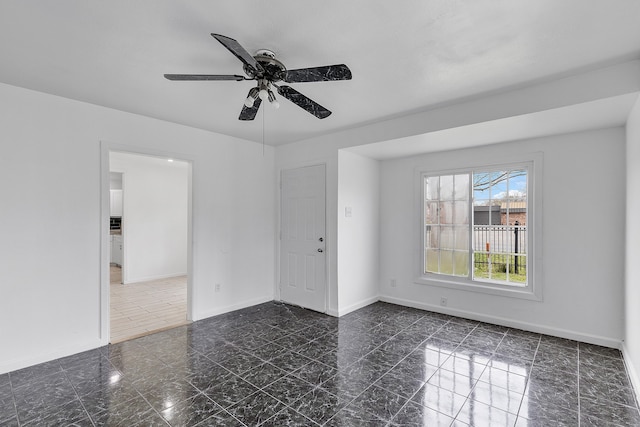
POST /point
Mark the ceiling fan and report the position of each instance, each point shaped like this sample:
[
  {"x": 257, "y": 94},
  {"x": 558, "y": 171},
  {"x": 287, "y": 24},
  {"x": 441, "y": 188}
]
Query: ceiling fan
[{"x": 267, "y": 71}]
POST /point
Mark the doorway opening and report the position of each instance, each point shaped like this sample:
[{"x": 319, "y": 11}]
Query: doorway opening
[{"x": 149, "y": 238}]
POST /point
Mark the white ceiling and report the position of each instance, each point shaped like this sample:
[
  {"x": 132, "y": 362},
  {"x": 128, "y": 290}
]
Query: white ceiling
[{"x": 405, "y": 56}]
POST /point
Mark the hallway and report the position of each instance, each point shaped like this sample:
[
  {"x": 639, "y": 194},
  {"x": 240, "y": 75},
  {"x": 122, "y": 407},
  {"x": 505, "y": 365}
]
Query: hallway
[{"x": 138, "y": 309}]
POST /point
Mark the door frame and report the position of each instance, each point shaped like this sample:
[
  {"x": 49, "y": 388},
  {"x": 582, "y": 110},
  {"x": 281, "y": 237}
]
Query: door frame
[
  {"x": 107, "y": 147},
  {"x": 329, "y": 244}
]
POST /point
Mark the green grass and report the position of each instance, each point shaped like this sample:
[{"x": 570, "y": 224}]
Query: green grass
[{"x": 497, "y": 268}]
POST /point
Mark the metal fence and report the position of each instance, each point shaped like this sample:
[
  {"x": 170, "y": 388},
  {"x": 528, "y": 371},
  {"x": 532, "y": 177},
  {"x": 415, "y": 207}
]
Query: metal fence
[
  {"x": 500, "y": 248},
  {"x": 500, "y": 239}
]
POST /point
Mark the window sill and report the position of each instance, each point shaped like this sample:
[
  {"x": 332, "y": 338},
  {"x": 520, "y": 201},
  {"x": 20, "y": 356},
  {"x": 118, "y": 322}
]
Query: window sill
[{"x": 521, "y": 292}]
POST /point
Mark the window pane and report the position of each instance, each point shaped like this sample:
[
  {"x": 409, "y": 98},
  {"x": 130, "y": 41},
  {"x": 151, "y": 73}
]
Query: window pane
[
  {"x": 446, "y": 212},
  {"x": 447, "y": 238},
  {"x": 462, "y": 238},
  {"x": 431, "y": 212},
  {"x": 431, "y": 188},
  {"x": 446, "y": 262},
  {"x": 461, "y": 187},
  {"x": 461, "y": 212},
  {"x": 446, "y": 187},
  {"x": 432, "y": 261},
  {"x": 499, "y": 231},
  {"x": 432, "y": 236},
  {"x": 461, "y": 263}
]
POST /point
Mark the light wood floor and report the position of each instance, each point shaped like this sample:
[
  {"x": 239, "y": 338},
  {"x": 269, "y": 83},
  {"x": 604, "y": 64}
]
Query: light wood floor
[{"x": 141, "y": 308}]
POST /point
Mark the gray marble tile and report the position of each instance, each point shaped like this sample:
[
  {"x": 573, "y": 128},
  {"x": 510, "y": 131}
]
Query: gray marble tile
[
  {"x": 415, "y": 415},
  {"x": 476, "y": 413},
  {"x": 102, "y": 399},
  {"x": 514, "y": 364},
  {"x": 398, "y": 382},
  {"x": 263, "y": 375},
  {"x": 603, "y": 373},
  {"x": 497, "y": 397},
  {"x": 558, "y": 358},
  {"x": 9, "y": 421},
  {"x": 290, "y": 362},
  {"x": 288, "y": 418},
  {"x": 256, "y": 409},
  {"x": 535, "y": 414},
  {"x": 457, "y": 383},
  {"x": 34, "y": 373},
  {"x": 344, "y": 386},
  {"x": 355, "y": 416},
  {"x": 599, "y": 350},
  {"x": 600, "y": 360},
  {"x": 439, "y": 399},
  {"x": 427, "y": 355},
  {"x": 379, "y": 402},
  {"x": 7, "y": 405},
  {"x": 315, "y": 372},
  {"x": 548, "y": 340},
  {"x": 355, "y": 370},
  {"x": 384, "y": 358},
  {"x": 240, "y": 363},
  {"x": 289, "y": 389},
  {"x": 545, "y": 373},
  {"x": 601, "y": 409},
  {"x": 464, "y": 365},
  {"x": 544, "y": 393},
  {"x": 71, "y": 413},
  {"x": 230, "y": 392},
  {"x": 168, "y": 393},
  {"x": 318, "y": 405},
  {"x": 268, "y": 351},
  {"x": 505, "y": 379},
  {"x": 598, "y": 389},
  {"x": 132, "y": 412}
]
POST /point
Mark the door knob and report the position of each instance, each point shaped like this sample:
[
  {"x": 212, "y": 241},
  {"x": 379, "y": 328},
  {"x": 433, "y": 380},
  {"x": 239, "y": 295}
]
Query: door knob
[
  {"x": 321, "y": 239},
  {"x": 320, "y": 250}
]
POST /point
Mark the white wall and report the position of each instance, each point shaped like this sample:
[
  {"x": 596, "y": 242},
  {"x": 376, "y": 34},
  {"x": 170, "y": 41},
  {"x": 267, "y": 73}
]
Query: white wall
[
  {"x": 631, "y": 347},
  {"x": 583, "y": 254},
  {"x": 51, "y": 209},
  {"x": 155, "y": 218},
  {"x": 358, "y": 234}
]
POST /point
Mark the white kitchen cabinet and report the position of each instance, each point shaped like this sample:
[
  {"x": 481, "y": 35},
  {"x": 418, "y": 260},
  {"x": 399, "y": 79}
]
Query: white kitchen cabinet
[
  {"x": 116, "y": 202},
  {"x": 116, "y": 250}
]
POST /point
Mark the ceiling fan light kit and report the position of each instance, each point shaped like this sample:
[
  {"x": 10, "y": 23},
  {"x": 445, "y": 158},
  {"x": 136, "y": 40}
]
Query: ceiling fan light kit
[{"x": 267, "y": 71}]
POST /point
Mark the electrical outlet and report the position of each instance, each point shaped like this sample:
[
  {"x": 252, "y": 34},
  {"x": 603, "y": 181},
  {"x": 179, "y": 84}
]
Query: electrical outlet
[
  {"x": 443, "y": 301},
  {"x": 392, "y": 283},
  {"x": 217, "y": 287}
]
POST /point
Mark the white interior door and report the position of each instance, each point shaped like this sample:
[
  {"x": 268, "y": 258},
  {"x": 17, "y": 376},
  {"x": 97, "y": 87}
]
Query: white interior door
[{"x": 303, "y": 240}]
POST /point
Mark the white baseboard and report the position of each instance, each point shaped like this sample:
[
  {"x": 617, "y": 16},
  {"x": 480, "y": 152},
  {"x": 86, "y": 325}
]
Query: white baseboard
[
  {"x": 13, "y": 365},
  {"x": 511, "y": 323},
  {"x": 233, "y": 307},
  {"x": 631, "y": 370},
  {"x": 357, "y": 306},
  {"x": 156, "y": 277},
  {"x": 333, "y": 312}
]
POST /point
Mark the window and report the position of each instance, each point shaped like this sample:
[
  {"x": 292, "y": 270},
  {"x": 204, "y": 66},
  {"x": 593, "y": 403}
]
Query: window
[{"x": 477, "y": 226}]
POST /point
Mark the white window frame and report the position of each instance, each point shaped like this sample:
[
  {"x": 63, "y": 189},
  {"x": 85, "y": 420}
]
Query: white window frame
[{"x": 533, "y": 289}]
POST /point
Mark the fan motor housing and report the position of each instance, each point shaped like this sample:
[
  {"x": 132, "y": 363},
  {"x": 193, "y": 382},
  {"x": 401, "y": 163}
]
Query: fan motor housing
[{"x": 274, "y": 70}]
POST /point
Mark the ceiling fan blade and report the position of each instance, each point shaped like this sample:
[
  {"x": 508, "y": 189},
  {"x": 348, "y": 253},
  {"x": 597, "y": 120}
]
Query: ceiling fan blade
[
  {"x": 234, "y": 47},
  {"x": 188, "y": 77},
  {"x": 249, "y": 113},
  {"x": 303, "y": 102},
  {"x": 318, "y": 74}
]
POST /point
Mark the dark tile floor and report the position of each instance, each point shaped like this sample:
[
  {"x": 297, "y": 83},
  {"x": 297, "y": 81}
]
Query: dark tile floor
[{"x": 277, "y": 365}]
